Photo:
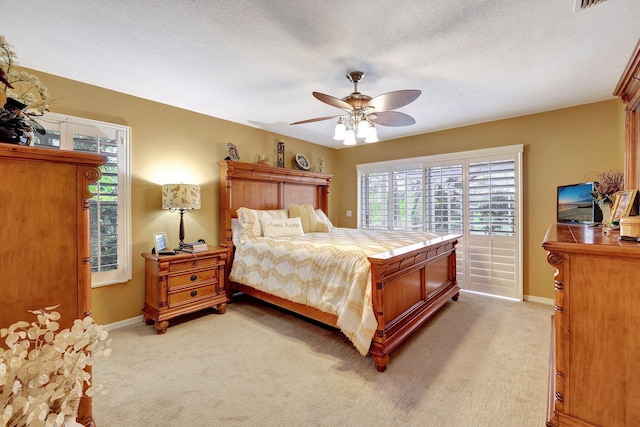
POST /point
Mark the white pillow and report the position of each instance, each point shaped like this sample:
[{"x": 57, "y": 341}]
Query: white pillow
[
  {"x": 272, "y": 227},
  {"x": 250, "y": 219},
  {"x": 236, "y": 231},
  {"x": 322, "y": 218}
]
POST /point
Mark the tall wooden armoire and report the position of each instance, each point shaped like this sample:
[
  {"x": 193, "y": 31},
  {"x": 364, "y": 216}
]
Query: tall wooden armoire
[{"x": 45, "y": 235}]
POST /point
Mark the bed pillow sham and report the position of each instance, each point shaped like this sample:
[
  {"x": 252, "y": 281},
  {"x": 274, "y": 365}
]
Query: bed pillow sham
[
  {"x": 250, "y": 220},
  {"x": 307, "y": 216}
]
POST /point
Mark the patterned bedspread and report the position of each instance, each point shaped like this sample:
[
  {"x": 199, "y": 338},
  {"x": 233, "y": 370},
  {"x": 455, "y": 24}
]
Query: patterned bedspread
[{"x": 328, "y": 271}]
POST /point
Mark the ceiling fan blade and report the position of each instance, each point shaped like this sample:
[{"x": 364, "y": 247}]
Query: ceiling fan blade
[
  {"x": 315, "y": 120},
  {"x": 392, "y": 118},
  {"x": 393, "y": 100},
  {"x": 332, "y": 100}
]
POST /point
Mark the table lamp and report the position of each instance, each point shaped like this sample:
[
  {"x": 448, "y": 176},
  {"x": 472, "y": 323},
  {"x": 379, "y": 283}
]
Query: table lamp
[{"x": 181, "y": 197}]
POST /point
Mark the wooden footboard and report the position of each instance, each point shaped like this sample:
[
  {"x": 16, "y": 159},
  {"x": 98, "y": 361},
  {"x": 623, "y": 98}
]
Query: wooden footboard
[{"x": 409, "y": 286}]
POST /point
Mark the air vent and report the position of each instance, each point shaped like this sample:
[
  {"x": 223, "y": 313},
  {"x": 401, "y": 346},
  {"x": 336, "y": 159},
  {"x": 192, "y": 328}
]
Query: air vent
[{"x": 584, "y": 4}]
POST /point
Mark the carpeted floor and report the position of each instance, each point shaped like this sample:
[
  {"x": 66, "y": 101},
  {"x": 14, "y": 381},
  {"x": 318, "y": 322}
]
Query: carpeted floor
[{"x": 480, "y": 362}]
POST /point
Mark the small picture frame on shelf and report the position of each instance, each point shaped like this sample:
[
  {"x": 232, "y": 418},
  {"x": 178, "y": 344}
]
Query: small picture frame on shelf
[
  {"x": 623, "y": 204},
  {"x": 160, "y": 242}
]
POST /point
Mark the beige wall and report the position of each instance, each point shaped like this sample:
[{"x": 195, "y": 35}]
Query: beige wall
[
  {"x": 560, "y": 147},
  {"x": 173, "y": 145}
]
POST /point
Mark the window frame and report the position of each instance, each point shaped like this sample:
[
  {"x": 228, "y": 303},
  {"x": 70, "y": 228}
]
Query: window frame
[{"x": 65, "y": 125}]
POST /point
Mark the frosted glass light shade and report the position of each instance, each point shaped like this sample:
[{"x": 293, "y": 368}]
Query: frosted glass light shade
[
  {"x": 180, "y": 196},
  {"x": 340, "y": 131},
  {"x": 349, "y": 138},
  {"x": 372, "y": 135},
  {"x": 363, "y": 128}
]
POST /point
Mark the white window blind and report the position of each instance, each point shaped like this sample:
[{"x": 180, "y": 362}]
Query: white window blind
[
  {"x": 492, "y": 197},
  {"x": 375, "y": 201},
  {"x": 444, "y": 201},
  {"x": 407, "y": 195}
]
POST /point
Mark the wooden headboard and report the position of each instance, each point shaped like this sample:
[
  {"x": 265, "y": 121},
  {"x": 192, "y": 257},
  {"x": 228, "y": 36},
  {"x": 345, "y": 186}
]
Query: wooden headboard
[{"x": 256, "y": 186}]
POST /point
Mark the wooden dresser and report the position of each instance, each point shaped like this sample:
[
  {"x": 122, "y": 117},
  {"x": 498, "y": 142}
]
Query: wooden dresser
[
  {"x": 595, "y": 350},
  {"x": 183, "y": 283},
  {"x": 45, "y": 235}
]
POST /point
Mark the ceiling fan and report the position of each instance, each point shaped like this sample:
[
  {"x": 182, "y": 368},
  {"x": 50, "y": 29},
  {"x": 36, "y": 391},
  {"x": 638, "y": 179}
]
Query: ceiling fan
[{"x": 364, "y": 111}]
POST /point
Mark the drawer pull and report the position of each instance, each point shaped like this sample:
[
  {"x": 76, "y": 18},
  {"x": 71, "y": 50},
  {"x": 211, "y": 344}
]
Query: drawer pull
[
  {"x": 194, "y": 293},
  {"x": 193, "y": 277}
]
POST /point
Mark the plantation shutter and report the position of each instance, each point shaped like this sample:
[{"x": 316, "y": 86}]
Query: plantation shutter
[
  {"x": 375, "y": 201},
  {"x": 492, "y": 242},
  {"x": 408, "y": 196}
]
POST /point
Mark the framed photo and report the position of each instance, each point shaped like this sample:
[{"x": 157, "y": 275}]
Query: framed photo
[
  {"x": 623, "y": 204},
  {"x": 160, "y": 242}
]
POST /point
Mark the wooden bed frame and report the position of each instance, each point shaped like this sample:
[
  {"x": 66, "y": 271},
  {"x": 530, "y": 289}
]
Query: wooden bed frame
[{"x": 409, "y": 284}]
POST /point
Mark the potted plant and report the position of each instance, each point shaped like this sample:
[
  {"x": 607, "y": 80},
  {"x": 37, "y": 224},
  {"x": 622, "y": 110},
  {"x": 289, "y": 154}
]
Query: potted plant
[
  {"x": 22, "y": 97},
  {"x": 606, "y": 185}
]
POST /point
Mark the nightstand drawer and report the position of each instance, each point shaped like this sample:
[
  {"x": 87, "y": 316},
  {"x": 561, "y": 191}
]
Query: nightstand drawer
[
  {"x": 192, "y": 278},
  {"x": 189, "y": 295},
  {"x": 191, "y": 264}
]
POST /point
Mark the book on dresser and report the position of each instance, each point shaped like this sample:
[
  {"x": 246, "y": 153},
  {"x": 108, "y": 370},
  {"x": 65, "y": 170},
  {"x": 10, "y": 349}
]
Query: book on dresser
[{"x": 194, "y": 247}]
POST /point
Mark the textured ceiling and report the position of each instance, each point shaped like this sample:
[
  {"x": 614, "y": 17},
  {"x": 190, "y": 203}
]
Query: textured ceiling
[{"x": 256, "y": 62}]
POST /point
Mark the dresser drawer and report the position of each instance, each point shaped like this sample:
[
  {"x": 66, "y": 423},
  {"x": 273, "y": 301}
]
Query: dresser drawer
[
  {"x": 191, "y": 264},
  {"x": 194, "y": 294},
  {"x": 193, "y": 278}
]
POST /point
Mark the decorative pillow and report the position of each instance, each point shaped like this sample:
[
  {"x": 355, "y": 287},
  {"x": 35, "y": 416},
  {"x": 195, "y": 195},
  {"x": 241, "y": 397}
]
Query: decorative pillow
[
  {"x": 322, "y": 218},
  {"x": 250, "y": 220},
  {"x": 307, "y": 216},
  {"x": 236, "y": 231},
  {"x": 273, "y": 227}
]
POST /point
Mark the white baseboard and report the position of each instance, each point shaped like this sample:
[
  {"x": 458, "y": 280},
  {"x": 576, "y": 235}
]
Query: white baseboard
[
  {"x": 540, "y": 300},
  {"x": 123, "y": 323},
  {"x": 529, "y": 298}
]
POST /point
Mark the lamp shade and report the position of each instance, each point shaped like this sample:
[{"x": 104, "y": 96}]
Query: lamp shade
[{"x": 180, "y": 196}]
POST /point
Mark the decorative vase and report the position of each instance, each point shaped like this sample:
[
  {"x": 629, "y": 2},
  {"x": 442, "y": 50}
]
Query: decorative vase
[
  {"x": 606, "y": 212},
  {"x": 280, "y": 154}
]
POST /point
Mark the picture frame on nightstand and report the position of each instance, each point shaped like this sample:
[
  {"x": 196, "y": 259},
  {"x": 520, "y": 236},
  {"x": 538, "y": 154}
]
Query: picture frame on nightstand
[{"x": 160, "y": 242}]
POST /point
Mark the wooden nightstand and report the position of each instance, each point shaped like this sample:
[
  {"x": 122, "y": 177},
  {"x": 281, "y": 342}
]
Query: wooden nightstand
[{"x": 183, "y": 283}]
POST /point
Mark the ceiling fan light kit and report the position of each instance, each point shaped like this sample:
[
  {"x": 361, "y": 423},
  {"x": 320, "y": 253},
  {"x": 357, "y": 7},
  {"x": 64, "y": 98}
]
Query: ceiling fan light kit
[{"x": 362, "y": 112}]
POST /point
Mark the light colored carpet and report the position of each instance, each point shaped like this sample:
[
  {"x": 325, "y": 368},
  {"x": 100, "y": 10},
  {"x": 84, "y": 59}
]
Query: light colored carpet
[{"x": 480, "y": 362}]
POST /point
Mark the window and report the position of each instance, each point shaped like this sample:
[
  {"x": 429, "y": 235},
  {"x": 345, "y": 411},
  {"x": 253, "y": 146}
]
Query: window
[
  {"x": 110, "y": 216},
  {"x": 444, "y": 198},
  {"x": 492, "y": 197},
  {"x": 475, "y": 194}
]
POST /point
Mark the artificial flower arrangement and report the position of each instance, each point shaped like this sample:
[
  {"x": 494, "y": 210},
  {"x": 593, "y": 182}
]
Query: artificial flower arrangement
[
  {"x": 23, "y": 97},
  {"x": 607, "y": 184},
  {"x": 42, "y": 370}
]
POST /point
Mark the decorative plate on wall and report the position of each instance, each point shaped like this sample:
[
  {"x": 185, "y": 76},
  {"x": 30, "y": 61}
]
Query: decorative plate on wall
[{"x": 301, "y": 162}]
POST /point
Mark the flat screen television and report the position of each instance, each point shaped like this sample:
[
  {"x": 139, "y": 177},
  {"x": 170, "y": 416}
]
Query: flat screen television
[{"x": 575, "y": 204}]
